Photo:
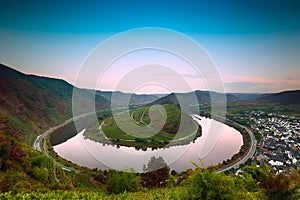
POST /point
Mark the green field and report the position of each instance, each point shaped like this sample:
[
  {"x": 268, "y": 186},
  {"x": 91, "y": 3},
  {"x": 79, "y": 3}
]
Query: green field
[{"x": 159, "y": 134}]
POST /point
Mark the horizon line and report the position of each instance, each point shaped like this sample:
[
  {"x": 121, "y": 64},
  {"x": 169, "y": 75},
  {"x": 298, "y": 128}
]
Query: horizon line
[{"x": 127, "y": 92}]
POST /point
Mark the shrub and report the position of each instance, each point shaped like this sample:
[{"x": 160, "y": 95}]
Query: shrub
[
  {"x": 40, "y": 173},
  {"x": 120, "y": 181},
  {"x": 203, "y": 184}
]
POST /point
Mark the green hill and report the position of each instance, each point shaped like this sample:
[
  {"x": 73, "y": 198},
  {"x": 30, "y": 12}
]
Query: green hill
[{"x": 168, "y": 135}]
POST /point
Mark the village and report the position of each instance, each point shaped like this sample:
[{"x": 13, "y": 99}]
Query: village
[{"x": 279, "y": 145}]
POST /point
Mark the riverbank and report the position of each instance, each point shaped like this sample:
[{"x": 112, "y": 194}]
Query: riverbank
[{"x": 246, "y": 152}]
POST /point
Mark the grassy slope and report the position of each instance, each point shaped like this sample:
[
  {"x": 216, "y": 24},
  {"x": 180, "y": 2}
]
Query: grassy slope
[
  {"x": 28, "y": 106},
  {"x": 141, "y": 118}
]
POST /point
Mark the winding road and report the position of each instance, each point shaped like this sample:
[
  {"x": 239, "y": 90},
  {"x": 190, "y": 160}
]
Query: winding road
[
  {"x": 250, "y": 152},
  {"x": 38, "y": 142}
]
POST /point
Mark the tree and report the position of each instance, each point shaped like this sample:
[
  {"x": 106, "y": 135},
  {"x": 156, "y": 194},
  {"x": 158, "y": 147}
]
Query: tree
[{"x": 156, "y": 173}]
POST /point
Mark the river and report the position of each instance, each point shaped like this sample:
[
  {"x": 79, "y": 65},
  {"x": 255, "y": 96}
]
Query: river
[{"x": 218, "y": 142}]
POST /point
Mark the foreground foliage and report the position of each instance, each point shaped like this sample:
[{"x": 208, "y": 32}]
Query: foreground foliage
[
  {"x": 162, "y": 193},
  {"x": 120, "y": 181},
  {"x": 253, "y": 183}
]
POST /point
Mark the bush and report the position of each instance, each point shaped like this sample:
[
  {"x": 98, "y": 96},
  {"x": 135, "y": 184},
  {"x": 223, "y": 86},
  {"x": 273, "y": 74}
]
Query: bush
[
  {"x": 40, "y": 173},
  {"x": 275, "y": 186},
  {"x": 39, "y": 161},
  {"x": 120, "y": 181},
  {"x": 206, "y": 185},
  {"x": 82, "y": 180},
  {"x": 171, "y": 181}
]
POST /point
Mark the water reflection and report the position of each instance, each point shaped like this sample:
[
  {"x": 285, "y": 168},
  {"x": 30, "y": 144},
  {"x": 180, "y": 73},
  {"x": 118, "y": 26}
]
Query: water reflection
[{"x": 211, "y": 147}]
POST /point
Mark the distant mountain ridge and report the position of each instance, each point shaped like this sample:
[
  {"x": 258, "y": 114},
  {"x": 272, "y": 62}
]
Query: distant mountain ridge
[
  {"x": 203, "y": 97},
  {"x": 285, "y": 97},
  {"x": 249, "y": 96}
]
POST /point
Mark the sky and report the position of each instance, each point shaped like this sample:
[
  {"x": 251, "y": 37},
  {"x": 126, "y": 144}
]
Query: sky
[{"x": 255, "y": 45}]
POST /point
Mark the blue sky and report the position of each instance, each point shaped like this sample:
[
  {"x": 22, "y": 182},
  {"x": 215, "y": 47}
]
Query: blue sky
[{"x": 255, "y": 44}]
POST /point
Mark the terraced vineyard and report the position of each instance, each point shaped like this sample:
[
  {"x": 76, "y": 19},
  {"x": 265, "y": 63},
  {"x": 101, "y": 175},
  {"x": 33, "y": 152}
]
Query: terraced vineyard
[{"x": 140, "y": 131}]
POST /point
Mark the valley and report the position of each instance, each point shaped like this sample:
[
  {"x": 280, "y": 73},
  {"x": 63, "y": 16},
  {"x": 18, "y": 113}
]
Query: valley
[{"x": 31, "y": 105}]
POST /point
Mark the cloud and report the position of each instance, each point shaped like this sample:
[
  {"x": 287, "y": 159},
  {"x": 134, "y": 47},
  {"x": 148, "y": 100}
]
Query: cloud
[
  {"x": 242, "y": 84},
  {"x": 192, "y": 76},
  {"x": 245, "y": 86},
  {"x": 258, "y": 84}
]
